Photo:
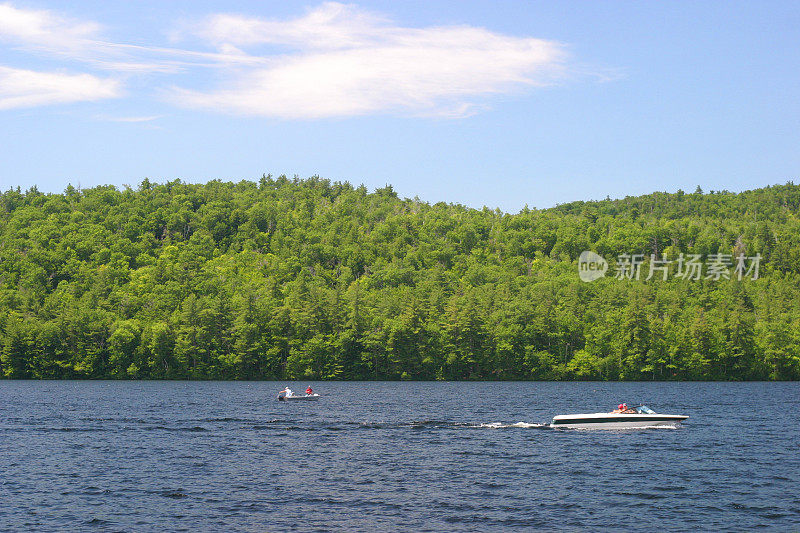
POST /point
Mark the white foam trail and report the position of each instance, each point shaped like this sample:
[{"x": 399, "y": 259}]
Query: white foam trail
[
  {"x": 500, "y": 425},
  {"x": 526, "y": 425}
]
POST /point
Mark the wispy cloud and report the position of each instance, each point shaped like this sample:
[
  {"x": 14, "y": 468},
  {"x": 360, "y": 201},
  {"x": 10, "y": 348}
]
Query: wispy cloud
[
  {"x": 47, "y": 32},
  {"x": 109, "y": 118},
  {"x": 331, "y": 25},
  {"x": 342, "y": 61},
  {"x": 336, "y": 60},
  {"x": 45, "y": 29},
  {"x": 27, "y": 88}
]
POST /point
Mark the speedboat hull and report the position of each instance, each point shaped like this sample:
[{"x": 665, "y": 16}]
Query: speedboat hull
[
  {"x": 298, "y": 397},
  {"x": 616, "y": 420}
]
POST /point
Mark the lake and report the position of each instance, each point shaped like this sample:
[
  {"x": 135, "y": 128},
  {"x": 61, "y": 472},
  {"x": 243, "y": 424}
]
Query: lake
[{"x": 388, "y": 456}]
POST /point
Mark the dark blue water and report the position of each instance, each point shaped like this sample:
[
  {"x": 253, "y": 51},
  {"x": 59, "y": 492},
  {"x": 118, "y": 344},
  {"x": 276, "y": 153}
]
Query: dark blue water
[{"x": 154, "y": 456}]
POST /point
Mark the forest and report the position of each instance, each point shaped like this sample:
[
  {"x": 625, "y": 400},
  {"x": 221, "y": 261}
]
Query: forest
[{"x": 312, "y": 279}]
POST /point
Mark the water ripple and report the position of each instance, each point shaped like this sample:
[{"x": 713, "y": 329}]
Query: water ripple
[{"x": 168, "y": 456}]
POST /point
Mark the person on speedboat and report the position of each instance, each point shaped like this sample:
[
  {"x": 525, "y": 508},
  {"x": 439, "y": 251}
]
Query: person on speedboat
[
  {"x": 309, "y": 390},
  {"x": 623, "y": 408},
  {"x": 287, "y": 392}
]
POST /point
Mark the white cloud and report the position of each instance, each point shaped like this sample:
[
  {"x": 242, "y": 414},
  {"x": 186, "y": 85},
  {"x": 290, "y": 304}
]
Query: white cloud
[
  {"x": 349, "y": 62},
  {"x": 45, "y": 29},
  {"x": 50, "y": 33},
  {"x": 331, "y": 25},
  {"x": 27, "y": 88},
  {"x": 335, "y": 60},
  {"x": 108, "y": 118}
]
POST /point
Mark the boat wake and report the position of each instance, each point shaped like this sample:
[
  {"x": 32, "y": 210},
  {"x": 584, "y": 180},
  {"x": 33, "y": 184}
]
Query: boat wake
[
  {"x": 449, "y": 424},
  {"x": 501, "y": 425}
]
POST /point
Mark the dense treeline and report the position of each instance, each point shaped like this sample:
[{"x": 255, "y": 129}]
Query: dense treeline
[{"x": 313, "y": 279}]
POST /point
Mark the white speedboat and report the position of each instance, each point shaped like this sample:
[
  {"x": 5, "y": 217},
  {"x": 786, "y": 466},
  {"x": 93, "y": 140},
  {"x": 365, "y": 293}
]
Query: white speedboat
[
  {"x": 307, "y": 397},
  {"x": 639, "y": 417}
]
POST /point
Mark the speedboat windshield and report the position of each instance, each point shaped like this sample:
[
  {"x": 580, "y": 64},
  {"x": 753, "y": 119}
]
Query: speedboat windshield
[{"x": 643, "y": 409}]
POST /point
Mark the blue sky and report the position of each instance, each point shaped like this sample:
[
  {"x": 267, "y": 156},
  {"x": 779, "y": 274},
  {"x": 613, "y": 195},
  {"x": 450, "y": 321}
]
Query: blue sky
[{"x": 501, "y": 104}]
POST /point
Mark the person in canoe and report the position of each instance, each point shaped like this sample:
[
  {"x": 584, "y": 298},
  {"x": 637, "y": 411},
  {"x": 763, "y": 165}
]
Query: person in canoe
[
  {"x": 287, "y": 392},
  {"x": 309, "y": 390}
]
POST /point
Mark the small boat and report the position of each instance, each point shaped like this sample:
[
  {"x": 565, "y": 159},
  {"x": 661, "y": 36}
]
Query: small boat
[
  {"x": 639, "y": 417},
  {"x": 307, "y": 397}
]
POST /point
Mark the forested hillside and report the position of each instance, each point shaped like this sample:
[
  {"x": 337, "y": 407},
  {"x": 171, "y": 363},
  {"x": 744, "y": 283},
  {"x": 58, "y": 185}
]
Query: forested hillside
[{"x": 311, "y": 279}]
